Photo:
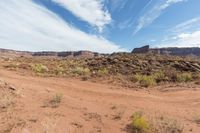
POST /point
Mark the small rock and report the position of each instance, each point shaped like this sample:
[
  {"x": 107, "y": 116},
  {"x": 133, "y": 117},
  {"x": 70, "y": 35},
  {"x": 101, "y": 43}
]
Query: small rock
[{"x": 12, "y": 88}]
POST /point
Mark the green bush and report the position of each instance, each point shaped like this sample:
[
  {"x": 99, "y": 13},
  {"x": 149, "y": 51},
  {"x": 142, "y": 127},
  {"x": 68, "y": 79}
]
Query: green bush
[
  {"x": 102, "y": 72},
  {"x": 137, "y": 77},
  {"x": 159, "y": 76},
  {"x": 81, "y": 71},
  {"x": 145, "y": 80},
  {"x": 12, "y": 66},
  {"x": 59, "y": 70},
  {"x": 196, "y": 77},
  {"x": 39, "y": 68},
  {"x": 185, "y": 77},
  {"x": 171, "y": 74},
  {"x": 165, "y": 125},
  {"x": 139, "y": 123},
  {"x": 56, "y": 100}
]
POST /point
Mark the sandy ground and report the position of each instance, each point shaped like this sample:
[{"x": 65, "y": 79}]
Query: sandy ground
[{"x": 88, "y": 107}]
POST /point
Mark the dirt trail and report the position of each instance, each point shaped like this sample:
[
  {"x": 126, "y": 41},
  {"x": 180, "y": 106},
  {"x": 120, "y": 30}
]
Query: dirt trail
[{"x": 88, "y": 107}]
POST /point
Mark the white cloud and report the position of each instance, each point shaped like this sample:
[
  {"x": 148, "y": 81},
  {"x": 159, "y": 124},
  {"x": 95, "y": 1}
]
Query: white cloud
[
  {"x": 24, "y": 25},
  {"x": 150, "y": 15},
  {"x": 185, "y": 34},
  {"x": 184, "y": 40},
  {"x": 90, "y": 11}
]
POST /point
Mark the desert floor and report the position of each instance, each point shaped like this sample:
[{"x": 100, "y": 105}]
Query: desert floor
[{"x": 90, "y": 107}]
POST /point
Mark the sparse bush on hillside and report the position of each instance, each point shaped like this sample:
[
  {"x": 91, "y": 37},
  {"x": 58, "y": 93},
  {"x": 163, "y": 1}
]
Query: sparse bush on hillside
[
  {"x": 159, "y": 76},
  {"x": 12, "y": 66},
  {"x": 102, "y": 72},
  {"x": 145, "y": 80},
  {"x": 81, "y": 71},
  {"x": 184, "y": 77},
  {"x": 39, "y": 68},
  {"x": 137, "y": 77},
  {"x": 171, "y": 74},
  {"x": 59, "y": 70},
  {"x": 196, "y": 76},
  {"x": 85, "y": 78}
]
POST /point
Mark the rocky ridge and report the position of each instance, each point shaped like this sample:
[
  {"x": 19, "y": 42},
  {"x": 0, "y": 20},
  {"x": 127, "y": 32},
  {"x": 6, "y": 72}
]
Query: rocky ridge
[{"x": 15, "y": 53}]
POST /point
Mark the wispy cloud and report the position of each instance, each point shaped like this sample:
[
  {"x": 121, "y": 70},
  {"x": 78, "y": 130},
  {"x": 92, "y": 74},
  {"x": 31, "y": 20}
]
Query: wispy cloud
[
  {"x": 152, "y": 14},
  {"x": 192, "y": 24},
  {"x": 117, "y": 5},
  {"x": 24, "y": 25},
  {"x": 91, "y": 11}
]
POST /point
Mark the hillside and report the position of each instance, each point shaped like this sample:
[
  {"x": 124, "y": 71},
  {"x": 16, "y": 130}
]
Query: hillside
[{"x": 120, "y": 68}]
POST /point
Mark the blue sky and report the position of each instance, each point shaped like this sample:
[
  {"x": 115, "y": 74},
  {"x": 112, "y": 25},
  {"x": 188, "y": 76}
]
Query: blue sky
[{"x": 98, "y": 25}]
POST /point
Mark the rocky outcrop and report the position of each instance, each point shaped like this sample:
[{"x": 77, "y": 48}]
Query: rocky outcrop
[
  {"x": 144, "y": 49},
  {"x": 193, "y": 51}
]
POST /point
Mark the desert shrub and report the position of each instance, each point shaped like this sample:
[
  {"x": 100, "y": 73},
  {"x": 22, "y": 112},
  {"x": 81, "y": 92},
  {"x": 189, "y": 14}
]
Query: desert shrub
[
  {"x": 81, "y": 71},
  {"x": 6, "y": 101},
  {"x": 137, "y": 77},
  {"x": 85, "y": 78},
  {"x": 12, "y": 66},
  {"x": 133, "y": 78},
  {"x": 56, "y": 100},
  {"x": 171, "y": 74},
  {"x": 102, "y": 72},
  {"x": 59, "y": 70},
  {"x": 145, "y": 80},
  {"x": 39, "y": 68},
  {"x": 196, "y": 119},
  {"x": 159, "y": 76},
  {"x": 184, "y": 77},
  {"x": 139, "y": 123},
  {"x": 165, "y": 125},
  {"x": 196, "y": 76}
]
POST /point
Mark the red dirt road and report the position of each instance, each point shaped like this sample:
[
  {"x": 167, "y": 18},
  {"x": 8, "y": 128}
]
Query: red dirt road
[{"x": 88, "y": 107}]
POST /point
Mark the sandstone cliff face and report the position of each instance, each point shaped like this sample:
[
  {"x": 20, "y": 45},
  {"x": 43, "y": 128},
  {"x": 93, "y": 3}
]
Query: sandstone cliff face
[
  {"x": 194, "y": 51},
  {"x": 14, "y": 53},
  {"x": 81, "y": 54},
  {"x": 87, "y": 54},
  {"x": 178, "y": 51}
]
